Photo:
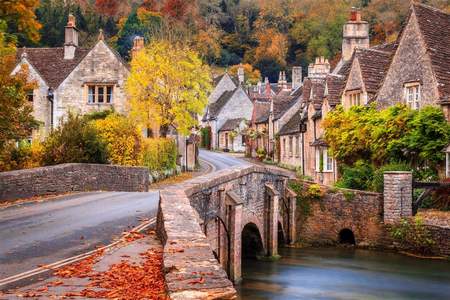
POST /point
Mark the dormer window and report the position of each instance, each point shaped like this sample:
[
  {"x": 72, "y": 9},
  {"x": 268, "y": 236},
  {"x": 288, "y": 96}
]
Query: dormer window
[
  {"x": 413, "y": 95},
  {"x": 354, "y": 98},
  {"x": 30, "y": 96}
]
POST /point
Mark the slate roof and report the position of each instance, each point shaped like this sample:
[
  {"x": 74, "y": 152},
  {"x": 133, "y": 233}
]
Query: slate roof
[
  {"x": 231, "y": 124},
  {"x": 261, "y": 110},
  {"x": 293, "y": 125},
  {"x": 217, "y": 79},
  {"x": 215, "y": 108},
  {"x": 434, "y": 25},
  {"x": 281, "y": 104},
  {"x": 50, "y": 63},
  {"x": 335, "y": 85},
  {"x": 374, "y": 65}
]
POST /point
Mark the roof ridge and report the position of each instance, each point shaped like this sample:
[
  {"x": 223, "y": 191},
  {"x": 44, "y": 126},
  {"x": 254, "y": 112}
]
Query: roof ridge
[
  {"x": 430, "y": 7},
  {"x": 373, "y": 50}
]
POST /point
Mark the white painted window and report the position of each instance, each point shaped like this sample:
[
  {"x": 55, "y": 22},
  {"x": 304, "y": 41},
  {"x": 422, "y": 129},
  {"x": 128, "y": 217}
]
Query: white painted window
[
  {"x": 448, "y": 164},
  {"x": 412, "y": 95},
  {"x": 297, "y": 146},
  {"x": 290, "y": 146},
  {"x": 324, "y": 162},
  {"x": 100, "y": 94}
]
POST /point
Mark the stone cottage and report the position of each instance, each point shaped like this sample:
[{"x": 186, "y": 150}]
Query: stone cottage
[
  {"x": 232, "y": 135},
  {"x": 72, "y": 78}
]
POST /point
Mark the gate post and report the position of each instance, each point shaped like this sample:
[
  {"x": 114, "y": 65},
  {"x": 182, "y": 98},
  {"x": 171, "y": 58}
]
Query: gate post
[
  {"x": 272, "y": 237},
  {"x": 397, "y": 196},
  {"x": 235, "y": 227}
]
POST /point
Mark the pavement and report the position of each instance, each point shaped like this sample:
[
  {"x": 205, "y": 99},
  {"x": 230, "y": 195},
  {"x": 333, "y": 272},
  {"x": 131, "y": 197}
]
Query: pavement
[{"x": 39, "y": 233}]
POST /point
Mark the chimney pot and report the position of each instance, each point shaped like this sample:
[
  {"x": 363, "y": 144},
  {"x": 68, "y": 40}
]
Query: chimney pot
[{"x": 138, "y": 45}]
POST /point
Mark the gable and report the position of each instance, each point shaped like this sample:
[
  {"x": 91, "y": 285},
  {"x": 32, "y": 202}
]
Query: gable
[
  {"x": 224, "y": 83},
  {"x": 239, "y": 105},
  {"x": 33, "y": 74},
  {"x": 354, "y": 80},
  {"x": 410, "y": 63}
]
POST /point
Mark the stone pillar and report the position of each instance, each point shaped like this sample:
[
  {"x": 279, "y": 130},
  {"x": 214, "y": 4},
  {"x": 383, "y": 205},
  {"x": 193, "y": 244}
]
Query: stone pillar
[
  {"x": 272, "y": 236},
  {"x": 235, "y": 207},
  {"x": 397, "y": 196},
  {"x": 292, "y": 234}
]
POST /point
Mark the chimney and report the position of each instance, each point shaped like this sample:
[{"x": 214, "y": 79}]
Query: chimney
[
  {"x": 355, "y": 34},
  {"x": 296, "y": 77},
  {"x": 319, "y": 69},
  {"x": 71, "y": 38},
  {"x": 138, "y": 45},
  {"x": 267, "y": 86},
  {"x": 241, "y": 74}
]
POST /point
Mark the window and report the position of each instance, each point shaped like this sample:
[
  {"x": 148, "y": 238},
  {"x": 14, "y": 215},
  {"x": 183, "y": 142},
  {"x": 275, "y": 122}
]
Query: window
[
  {"x": 30, "y": 95},
  {"x": 354, "y": 98},
  {"x": 243, "y": 140},
  {"x": 412, "y": 95},
  {"x": 284, "y": 147},
  {"x": 100, "y": 94},
  {"x": 447, "y": 164},
  {"x": 297, "y": 147},
  {"x": 324, "y": 162}
]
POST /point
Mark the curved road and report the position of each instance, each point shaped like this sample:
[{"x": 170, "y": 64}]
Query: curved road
[{"x": 39, "y": 233}]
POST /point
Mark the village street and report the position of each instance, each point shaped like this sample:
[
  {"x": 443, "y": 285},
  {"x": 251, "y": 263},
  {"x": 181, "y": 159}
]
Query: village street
[{"x": 44, "y": 232}]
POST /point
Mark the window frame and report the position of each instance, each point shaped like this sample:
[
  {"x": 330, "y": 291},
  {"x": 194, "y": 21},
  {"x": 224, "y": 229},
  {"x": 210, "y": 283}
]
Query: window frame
[
  {"x": 93, "y": 99},
  {"x": 322, "y": 153},
  {"x": 355, "y": 97},
  {"x": 412, "y": 94}
]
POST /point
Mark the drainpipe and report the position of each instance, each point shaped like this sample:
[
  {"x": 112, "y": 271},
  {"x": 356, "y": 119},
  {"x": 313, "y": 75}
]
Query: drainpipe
[{"x": 50, "y": 97}]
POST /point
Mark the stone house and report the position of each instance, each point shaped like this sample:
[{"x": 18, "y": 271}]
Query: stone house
[
  {"x": 419, "y": 72},
  {"x": 72, "y": 78},
  {"x": 231, "y": 104},
  {"x": 232, "y": 135}
]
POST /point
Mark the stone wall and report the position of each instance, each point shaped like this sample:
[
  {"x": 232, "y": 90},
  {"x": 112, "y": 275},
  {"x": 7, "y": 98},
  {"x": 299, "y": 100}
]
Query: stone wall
[
  {"x": 189, "y": 210},
  {"x": 72, "y": 178},
  {"x": 441, "y": 236},
  {"x": 359, "y": 211},
  {"x": 397, "y": 196}
]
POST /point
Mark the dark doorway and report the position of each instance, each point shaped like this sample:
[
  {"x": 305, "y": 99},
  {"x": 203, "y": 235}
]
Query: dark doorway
[
  {"x": 346, "y": 236},
  {"x": 252, "y": 246},
  {"x": 281, "y": 238}
]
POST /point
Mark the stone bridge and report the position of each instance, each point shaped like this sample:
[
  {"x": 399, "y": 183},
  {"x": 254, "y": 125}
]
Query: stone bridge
[{"x": 211, "y": 221}]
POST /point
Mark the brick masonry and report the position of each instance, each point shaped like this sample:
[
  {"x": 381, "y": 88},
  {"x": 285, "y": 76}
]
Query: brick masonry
[
  {"x": 397, "y": 196},
  {"x": 64, "y": 178}
]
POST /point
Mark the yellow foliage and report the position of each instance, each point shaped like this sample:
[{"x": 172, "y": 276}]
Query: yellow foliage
[
  {"x": 24, "y": 156},
  {"x": 251, "y": 75},
  {"x": 168, "y": 86},
  {"x": 124, "y": 141},
  {"x": 159, "y": 154}
]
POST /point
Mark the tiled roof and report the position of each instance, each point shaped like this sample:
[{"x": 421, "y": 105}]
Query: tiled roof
[
  {"x": 335, "y": 85},
  {"x": 231, "y": 124},
  {"x": 50, "y": 63},
  {"x": 374, "y": 65},
  {"x": 261, "y": 112},
  {"x": 281, "y": 104},
  {"x": 215, "y": 108},
  {"x": 293, "y": 125},
  {"x": 435, "y": 28}
]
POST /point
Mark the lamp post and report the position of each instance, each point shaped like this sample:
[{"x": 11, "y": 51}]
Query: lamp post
[{"x": 50, "y": 97}]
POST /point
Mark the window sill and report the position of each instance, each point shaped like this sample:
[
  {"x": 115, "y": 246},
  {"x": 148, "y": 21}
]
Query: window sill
[{"x": 99, "y": 104}]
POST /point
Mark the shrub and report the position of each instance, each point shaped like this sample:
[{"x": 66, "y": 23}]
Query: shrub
[
  {"x": 261, "y": 153},
  {"x": 24, "y": 156},
  {"x": 159, "y": 154},
  {"x": 358, "y": 177},
  {"x": 377, "y": 184},
  {"x": 412, "y": 235},
  {"x": 314, "y": 192},
  {"x": 123, "y": 139},
  {"x": 74, "y": 141}
]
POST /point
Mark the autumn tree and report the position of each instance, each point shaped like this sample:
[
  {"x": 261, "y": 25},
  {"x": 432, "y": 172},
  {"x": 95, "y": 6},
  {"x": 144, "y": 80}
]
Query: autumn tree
[
  {"x": 20, "y": 18},
  {"x": 168, "y": 86},
  {"x": 16, "y": 120},
  {"x": 252, "y": 75}
]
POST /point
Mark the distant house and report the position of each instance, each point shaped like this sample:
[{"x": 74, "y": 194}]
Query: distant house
[
  {"x": 232, "y": 135},
  {"x": 72, "y": 78}
]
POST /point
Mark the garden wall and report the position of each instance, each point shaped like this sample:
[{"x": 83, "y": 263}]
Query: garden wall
[
  {"x": 64, "y": 178},
  {"x": 359, "y": 211}
]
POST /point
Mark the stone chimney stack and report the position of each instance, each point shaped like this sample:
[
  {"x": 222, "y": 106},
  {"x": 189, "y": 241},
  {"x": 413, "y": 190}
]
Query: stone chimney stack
[
  {"x": 355, "y": 35},
  {"x": 71, "y": 38},
  {"x": 319, "y": 69},
  {"x": 296, "y": 77},
  {"x": 241, "y": 74},
  {"x": 138, "y": 45},
  {"x": 267, "y": 86}
]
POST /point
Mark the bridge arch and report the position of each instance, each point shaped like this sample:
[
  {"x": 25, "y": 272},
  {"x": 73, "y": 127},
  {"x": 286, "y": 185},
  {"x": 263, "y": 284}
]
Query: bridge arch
[
  {"x": 252, "y": 242},
  {"x": 281, "y": 234},
  {"x": 346, "y": 236}
]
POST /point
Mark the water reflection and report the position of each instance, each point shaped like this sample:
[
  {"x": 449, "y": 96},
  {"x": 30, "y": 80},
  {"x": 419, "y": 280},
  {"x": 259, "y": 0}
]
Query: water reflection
[{"x": 345, "y": 274}]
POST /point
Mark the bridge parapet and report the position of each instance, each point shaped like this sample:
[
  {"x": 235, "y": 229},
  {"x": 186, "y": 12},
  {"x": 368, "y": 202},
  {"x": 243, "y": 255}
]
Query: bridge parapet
[{"x": 209, "y": 213}]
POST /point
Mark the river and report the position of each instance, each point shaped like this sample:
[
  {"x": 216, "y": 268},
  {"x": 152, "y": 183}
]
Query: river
[{"x": 342, "y": 273}]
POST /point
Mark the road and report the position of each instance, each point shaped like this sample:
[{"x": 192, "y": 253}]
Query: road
[{"x": 44, "y": 232}]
